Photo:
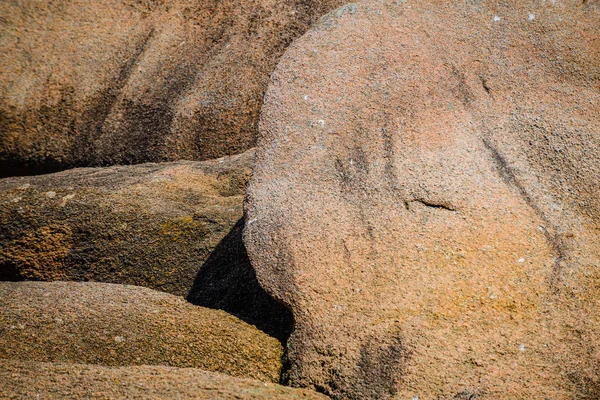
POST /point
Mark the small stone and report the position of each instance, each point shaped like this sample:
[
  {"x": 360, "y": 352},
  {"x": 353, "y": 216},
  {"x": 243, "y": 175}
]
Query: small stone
[{"x": 65, "y": 199}]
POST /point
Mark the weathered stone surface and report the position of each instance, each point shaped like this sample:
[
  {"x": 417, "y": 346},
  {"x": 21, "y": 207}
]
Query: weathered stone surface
[
  {"x": 26, "y": 379},
  {"x": 150, "y": 225},
  {"x": 119, "y": 325},
  {"x": 425, "y": 200},
  {"x": 127, "y": 81}
]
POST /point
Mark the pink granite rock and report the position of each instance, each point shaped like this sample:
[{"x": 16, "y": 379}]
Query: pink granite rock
[{"x": 425, "y": 200}]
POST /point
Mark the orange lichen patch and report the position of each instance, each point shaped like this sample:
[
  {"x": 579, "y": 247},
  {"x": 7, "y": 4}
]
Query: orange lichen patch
[
  {"x": 39, "y": 255},
  {"x": 182, "y": 228}
]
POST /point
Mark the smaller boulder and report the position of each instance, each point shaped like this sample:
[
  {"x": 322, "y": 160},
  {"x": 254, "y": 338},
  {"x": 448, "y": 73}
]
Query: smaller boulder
[
  {"x": 26, "y": 379},
  {"x": 151, "y": 225},
  {"x": 121, "y": 325}
]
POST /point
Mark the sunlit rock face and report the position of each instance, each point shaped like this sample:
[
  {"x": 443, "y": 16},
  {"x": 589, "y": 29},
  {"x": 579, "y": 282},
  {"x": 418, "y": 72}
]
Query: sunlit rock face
[{"x": 425, "y": 200}]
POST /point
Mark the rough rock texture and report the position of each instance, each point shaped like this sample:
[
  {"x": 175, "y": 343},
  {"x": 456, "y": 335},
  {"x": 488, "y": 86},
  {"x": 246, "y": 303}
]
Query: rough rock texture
[
  {"x": 425, "y": 200},
  {"x": 26, "y": 379},
  {"x": 118, "y": 325},
  {"x": 150, "y": 225},
  {"x": 128, "y": 81}
]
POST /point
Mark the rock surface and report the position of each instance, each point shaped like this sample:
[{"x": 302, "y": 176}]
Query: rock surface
[
  {"x": 120, "y": 325},
  {"x": 425, "y": 200},
  {"x": 23, "y": 379},
  {"x": 150, "y": 225},
  {"x": 128, "y": 81}
]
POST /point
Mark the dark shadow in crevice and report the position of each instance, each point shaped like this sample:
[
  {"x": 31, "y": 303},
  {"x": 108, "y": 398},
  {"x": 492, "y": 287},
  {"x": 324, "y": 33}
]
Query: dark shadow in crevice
[
  {"x": 227, "y": 281},
  {"x": 10, "y": 168},
  {"x": 9, "y": 272}
]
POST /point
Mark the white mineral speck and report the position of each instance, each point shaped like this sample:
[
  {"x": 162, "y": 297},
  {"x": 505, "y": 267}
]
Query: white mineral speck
[
  {"x": 521, "y": 260},
  {"x": 305, "y": 97},
  {"x": 531, "y": 17},
  {"x": 50, "y": 194},
  {"x": 119, "y": 339},
  {"x": 66, "y": 198},
  {"x": 321, "y": 123},
  {"x": 497, "y": 18},
  {"x": 522, "y": 348}
]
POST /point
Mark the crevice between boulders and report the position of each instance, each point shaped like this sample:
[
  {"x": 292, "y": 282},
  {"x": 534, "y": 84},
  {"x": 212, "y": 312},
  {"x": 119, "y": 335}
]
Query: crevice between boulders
[{"x": 227, "y": 281}]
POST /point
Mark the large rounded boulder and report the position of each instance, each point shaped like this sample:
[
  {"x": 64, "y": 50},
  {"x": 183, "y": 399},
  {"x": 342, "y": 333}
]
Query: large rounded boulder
[
  {"x": 122, "y": 81},
  {"x": 425, "y": 200}
]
